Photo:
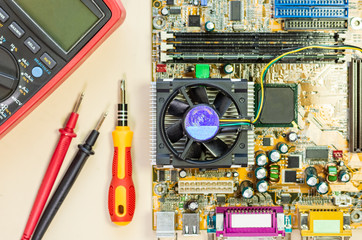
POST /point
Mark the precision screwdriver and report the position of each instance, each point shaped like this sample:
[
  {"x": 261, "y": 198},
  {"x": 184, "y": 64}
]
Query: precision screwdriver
[
  {"x": 66, "y": 136},
  {"x": 122, "y": 196},
  {"x": 70, "y": 176}
]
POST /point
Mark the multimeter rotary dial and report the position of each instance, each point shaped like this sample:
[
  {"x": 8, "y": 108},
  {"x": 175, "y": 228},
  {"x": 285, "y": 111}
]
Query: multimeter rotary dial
[{"x": 9, "y": 74}]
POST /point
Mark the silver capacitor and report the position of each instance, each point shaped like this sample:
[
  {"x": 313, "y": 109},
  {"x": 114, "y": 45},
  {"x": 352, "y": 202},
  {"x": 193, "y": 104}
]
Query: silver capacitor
[
  {"x": 261, "y": 173},
  {"x": 165, "y": 11},
  {"x": 283, "y": 147},
  {"x": 322, "y": 187},
  {"x": 262, "y": 186},
  {"x": 344, "y": 176},
  {"x": 311, "y": 176},
  {"x": 261, "y": 159},
  {"x": 228, "y": 69},
  {"x": 274, "y": 156},
  {"x": 292, "y": 136},
  {"x": 247, "y": 190}
]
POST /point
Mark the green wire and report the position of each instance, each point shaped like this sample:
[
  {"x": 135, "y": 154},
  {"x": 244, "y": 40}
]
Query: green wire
[{"x": 233, "y": 124}]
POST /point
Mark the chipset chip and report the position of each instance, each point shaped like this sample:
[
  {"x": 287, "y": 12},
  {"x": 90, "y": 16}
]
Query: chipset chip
[
  {"x": 170, "y": 2},
  {"x": 175, "y": 10},
  {"x": 290, "y": 176},
  {"x": 194, "y": 20},
  {"x": 267, "y": 141},
  {"x": 280, "y": 105},
  {"x": 294, "y": 161},
  {"x": 319, "y": 152},
  {"x": 235, "y": 11}
]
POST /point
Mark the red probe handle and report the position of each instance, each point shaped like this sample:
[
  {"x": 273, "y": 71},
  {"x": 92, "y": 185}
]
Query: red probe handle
[
  {"x": 67, "y": 134},
  {"x": 122, "y": 196}
]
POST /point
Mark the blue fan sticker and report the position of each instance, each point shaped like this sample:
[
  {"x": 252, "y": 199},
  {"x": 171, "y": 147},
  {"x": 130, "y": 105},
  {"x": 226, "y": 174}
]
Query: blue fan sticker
[{"x": 202, "y": 123}]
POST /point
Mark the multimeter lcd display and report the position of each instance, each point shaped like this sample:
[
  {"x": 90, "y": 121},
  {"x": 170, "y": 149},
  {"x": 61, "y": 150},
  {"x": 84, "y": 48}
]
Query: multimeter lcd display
[{"x": 65, "y": 21}]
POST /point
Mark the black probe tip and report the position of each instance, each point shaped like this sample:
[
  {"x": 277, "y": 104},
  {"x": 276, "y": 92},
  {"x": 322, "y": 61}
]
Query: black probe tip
[{"x": 92, "y": 138}]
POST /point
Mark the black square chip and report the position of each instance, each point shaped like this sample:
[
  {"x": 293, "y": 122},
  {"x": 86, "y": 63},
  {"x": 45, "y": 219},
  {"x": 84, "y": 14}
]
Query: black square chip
[
  {"x": 170, "y": 2},
  {"x": 267, "y": 141},
  {"x": 290, "y": 176},
  {"x": 293, "y": 161},
  {"x": 280, "y": 105},
  {"x": 194, "y": 20}
]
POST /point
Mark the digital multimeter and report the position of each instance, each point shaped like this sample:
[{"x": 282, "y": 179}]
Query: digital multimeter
[{"x": 42, "y": 42}]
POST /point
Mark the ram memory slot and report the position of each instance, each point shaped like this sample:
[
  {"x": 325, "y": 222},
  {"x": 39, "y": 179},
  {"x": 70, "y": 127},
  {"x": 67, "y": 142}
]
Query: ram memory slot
[
  {"x": 355, "y": 107},
  {"x": 247, "y": 47},
  {"x": 311, "y": 12},
  {"x": 302, "y": 37},
  {"x": 248, "y": 58}
]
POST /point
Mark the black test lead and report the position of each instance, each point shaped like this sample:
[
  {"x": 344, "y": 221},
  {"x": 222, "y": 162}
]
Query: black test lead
[{"x": 85, "y": 150}]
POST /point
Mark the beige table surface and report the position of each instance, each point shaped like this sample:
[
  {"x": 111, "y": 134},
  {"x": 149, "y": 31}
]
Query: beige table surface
[{"x": 25, "y": 152}]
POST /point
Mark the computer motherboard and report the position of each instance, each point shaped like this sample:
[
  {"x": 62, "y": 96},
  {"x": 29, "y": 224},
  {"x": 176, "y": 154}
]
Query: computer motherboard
[{"x": 257, "y": 118}]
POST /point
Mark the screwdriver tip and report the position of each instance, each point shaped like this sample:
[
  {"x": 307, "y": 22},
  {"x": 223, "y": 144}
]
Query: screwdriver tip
[
  {"x": 123, "y": 91},
  {"x": 101, "y": 120},
  {"x": 77, "y": 104}
]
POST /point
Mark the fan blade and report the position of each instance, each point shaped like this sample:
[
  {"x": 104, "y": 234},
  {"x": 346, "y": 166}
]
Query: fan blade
[
  {"x": 175, "y": 132},
  {"x": 178, "y": 108},
  {"x": 222, "y": 103},
  {"x": 217, "y": 147},
  {"x": 229, "y": 130},
  {"x": 198, "y": 95},
  {"x": 193, "y": 150}
]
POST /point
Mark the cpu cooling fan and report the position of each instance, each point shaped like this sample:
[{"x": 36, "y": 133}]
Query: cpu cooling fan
[{"x": 188, "y": 131}]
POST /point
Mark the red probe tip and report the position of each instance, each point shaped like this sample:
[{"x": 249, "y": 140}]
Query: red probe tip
[{"x": 77, "y": 104}]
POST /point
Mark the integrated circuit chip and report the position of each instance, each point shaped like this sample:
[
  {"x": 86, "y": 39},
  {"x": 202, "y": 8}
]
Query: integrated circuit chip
[
  {"x": 235, "y": 10},
  {"x": 294, "y": 161},
  {"x": 194, "y": 20},
  {"x": 280, "y": 105},
  {"x": 285, "y": 198},
  {"x": 320, "y": 153},
  {"x": 290, "y": 176},
  {"x": 221, "y": 199},
  {"x": 161, "y": 176},
  {"x": 267, "y": 141},
  {"x": 170, "y": 2},
  {"x": 175, "y": 10},
  {"x": 174, "y": 175}
]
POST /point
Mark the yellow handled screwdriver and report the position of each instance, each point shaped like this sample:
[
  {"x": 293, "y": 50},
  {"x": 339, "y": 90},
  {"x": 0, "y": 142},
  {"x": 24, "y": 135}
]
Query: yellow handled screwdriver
[{"x": 122, "y": 196}]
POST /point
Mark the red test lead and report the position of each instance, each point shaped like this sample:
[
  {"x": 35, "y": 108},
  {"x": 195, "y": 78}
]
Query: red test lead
[{"x": 66, "y": 136}]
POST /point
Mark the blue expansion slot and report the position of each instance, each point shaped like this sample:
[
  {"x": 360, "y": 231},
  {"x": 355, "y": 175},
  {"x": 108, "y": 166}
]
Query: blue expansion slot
[
  {"x": 311, "y": 2},
  {"x": 311, "y": 12}
]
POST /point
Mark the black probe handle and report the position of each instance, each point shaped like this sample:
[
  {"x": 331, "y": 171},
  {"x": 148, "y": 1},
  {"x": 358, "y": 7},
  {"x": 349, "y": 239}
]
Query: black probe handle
[{"x": 65, "y": 185}]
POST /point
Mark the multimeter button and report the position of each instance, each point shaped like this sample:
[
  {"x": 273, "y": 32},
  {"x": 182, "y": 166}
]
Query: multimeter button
[
  {"x": 16, "y": 29},
  {"x": 37, "y": 72},
  {"x": 47, "y": 60},
  {"x": 32, "y": 45},
  {"x": 3, "y": 16}
]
